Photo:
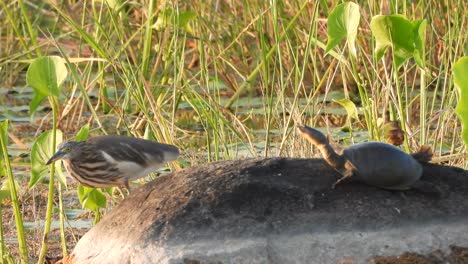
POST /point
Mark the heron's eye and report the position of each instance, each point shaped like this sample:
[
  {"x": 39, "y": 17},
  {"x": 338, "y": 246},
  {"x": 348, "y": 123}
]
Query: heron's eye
[{"x": 66, "y": 149}]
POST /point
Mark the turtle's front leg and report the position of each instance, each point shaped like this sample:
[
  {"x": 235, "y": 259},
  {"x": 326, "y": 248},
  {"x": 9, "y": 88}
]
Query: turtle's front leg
[
  {"x": 347, "y": 172},
  {"x": 341, "y": 179}
]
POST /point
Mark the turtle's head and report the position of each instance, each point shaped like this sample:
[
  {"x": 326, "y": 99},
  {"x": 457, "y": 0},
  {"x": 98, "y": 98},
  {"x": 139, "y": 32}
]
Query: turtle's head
[
  {"x": 319, "y": 140},
  {"x": 313, "y": 136}
]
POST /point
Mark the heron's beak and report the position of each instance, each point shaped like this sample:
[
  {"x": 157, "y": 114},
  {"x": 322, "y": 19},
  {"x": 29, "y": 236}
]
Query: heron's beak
[{"x": 58, "y": 155}]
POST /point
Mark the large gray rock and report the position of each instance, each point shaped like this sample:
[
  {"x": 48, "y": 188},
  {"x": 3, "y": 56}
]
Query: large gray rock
[{"x": 278, "y": 210}]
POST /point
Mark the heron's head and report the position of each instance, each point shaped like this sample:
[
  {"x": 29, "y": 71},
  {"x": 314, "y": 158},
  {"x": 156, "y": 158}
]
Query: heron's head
[{"x": 64, "y": 150}]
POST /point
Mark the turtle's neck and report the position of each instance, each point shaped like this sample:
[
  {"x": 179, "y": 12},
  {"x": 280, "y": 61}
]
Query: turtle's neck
[{"x": 331, "y": 157}]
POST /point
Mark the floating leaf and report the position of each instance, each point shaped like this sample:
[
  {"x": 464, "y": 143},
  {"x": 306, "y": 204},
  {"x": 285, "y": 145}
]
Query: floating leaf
[
  {"x": 45, "y": 75},
  {"x": 41, "y": 151},
  {"x": 91, "y": 198},
  {"x": 342, "y": 23},
  {"x": 405, "y": 37},
  {"x": 460, "y": 78}
]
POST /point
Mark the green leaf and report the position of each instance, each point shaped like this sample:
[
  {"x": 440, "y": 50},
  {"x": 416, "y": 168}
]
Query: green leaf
[
  {"x": 35, "y": 102},
  {"x": 5, "y": 190},
  {"x": 83, "y": 133},
  {"x": 91, "y": 198},
  {"x": 111, "y": 3},
  {"x": 4, "y": 135},
  {"x": 6, "y": 186},
  {"x": 349, "y": 106},
  {"x": 163, "y": 20},
  {"x": 342, "y": 23},
  {"x": 4, "y": 195},
  {"x": 45, "y": 75},
  {"x": 184, "y": 18},
  {"x": 2, "y": 166},
  {"x": 4, "y": 131},
  {"x": 171, "y": 17},
  {"x": 41, "y": 151},
  {"x": 406, "y": 38},
  {"x": 419, "y": 38},
  {"x": 460, "y": 78}
]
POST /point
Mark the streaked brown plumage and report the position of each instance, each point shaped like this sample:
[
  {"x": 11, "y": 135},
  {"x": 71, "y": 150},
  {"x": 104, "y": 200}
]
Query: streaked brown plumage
[{"x": 106, "y": 161}]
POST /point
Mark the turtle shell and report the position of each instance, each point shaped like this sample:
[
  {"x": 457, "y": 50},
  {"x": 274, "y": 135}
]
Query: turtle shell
[{"x": 383, "y": 165}]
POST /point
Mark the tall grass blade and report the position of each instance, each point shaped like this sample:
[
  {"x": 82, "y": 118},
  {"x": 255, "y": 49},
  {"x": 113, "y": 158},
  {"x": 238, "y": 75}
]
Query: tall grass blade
[{"x": 13, "y": 194}]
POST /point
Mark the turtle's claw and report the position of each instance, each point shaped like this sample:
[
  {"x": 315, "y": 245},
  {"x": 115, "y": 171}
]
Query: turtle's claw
[{"x": 340, "y": 180}]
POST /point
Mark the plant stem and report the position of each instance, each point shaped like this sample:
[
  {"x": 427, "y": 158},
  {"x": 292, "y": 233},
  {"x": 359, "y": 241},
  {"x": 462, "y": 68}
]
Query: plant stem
[
  {"x": 62, "y": 221},
  {"x": 14, "y": 198},
  {"x": 147, "y": 40},
  {"x": 371, "y": 125},
  {"x": 423, "y": 101},
  {"x": 50, "y": 197},
  {"x": 249, "y": 80},
  {"x": 32, "y": 35},
  {"x": 401, "y": 110},
  {"x": 2, "y": 240}
]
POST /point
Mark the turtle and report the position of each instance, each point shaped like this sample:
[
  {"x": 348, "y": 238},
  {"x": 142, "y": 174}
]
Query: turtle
[{"x": 375, "y": 163}]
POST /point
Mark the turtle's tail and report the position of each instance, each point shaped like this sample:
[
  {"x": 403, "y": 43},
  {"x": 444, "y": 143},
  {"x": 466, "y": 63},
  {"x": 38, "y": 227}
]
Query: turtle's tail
[{"x": 424, "y": 154}]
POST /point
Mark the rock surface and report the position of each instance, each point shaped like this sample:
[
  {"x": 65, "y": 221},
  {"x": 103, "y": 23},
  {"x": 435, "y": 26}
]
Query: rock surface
[{"x": 278, "y": 210}]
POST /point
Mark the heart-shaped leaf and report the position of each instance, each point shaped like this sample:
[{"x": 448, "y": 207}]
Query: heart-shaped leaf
[
  {"x": 405, "y": 37},
  {"x": 41, "y": 151},
  {"x": 45, "y": 75},
  {"x": 91, "y": 198},
  {"x": 460, "y": 78},
  {"x": 342, "y": 23}
]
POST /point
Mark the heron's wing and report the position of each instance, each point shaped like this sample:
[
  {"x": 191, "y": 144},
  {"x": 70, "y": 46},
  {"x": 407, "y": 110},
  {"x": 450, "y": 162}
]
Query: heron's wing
[{"x": 140, "y": 151}]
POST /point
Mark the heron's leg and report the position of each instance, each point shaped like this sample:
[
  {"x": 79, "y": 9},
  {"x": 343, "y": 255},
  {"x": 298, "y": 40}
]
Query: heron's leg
[{"x": 127, "y": 185}]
